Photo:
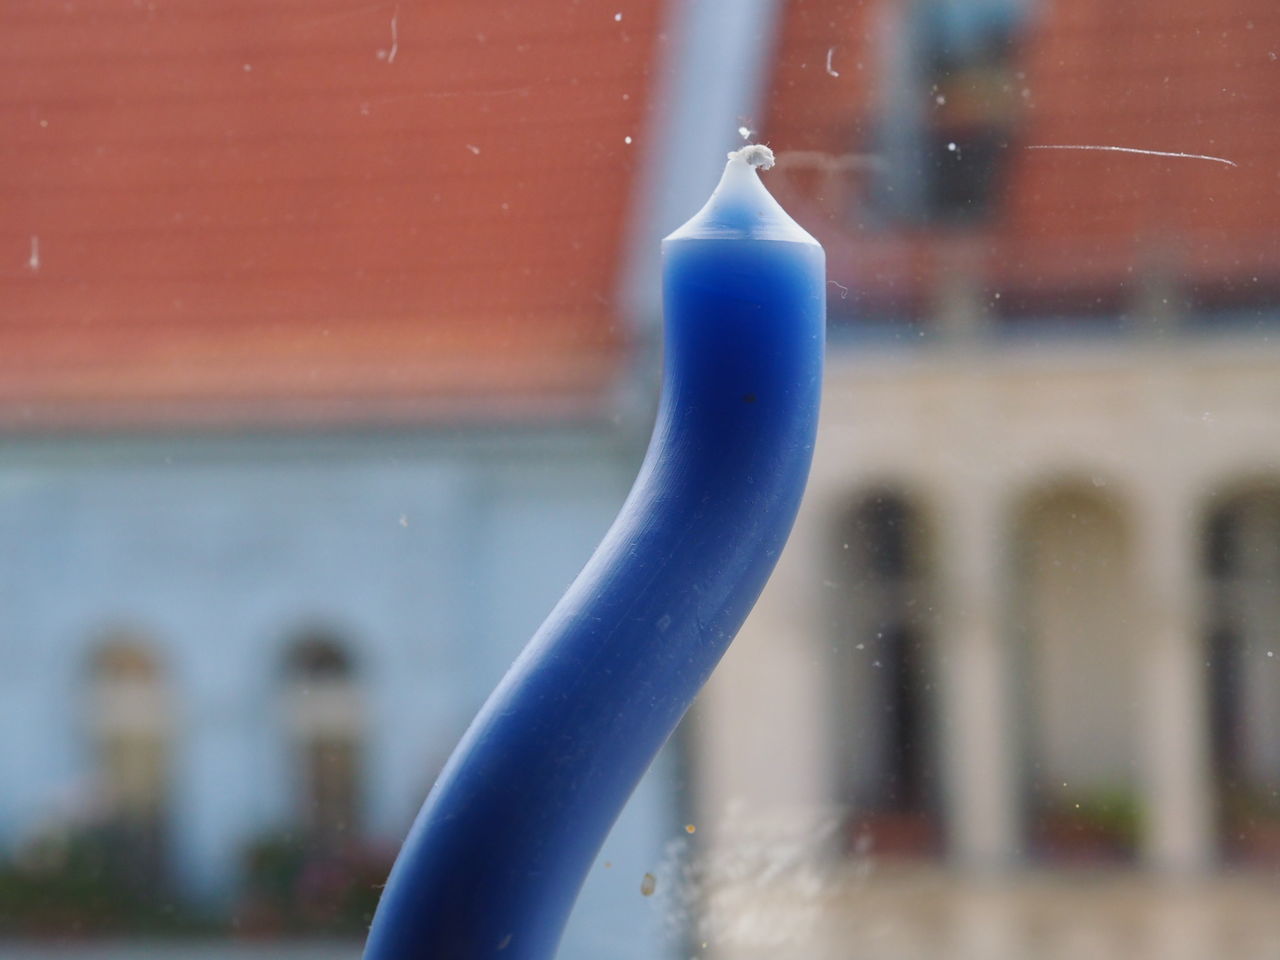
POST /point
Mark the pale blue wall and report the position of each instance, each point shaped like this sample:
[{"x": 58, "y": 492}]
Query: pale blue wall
[{"x": 222, "y": 549}]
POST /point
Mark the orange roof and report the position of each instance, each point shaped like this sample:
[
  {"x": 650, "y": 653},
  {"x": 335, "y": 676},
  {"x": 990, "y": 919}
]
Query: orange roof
[
  {"x": 231, "y": 211},
  {"x": 1171, "y": 75}
]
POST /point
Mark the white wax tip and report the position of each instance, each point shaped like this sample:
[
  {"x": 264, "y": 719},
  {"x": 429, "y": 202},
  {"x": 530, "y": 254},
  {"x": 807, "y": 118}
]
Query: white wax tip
[
  {"x": 740, "y": 207},
  {"x": 755, "y": 155}
]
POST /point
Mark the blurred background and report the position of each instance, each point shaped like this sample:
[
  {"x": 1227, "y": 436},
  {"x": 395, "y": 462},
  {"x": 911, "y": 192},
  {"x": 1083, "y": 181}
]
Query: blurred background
[{"x": 328, "y": 350}]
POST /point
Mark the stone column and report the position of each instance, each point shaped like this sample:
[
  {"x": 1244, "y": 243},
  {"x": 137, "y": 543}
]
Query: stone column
[
  {"x": 763, "y": 723},
  {"x": 961, "y": 309},
  {"x": 1173, "y": 692},
  {"x": 217, "y": 786},
  {"x": 977, "y": 707}
]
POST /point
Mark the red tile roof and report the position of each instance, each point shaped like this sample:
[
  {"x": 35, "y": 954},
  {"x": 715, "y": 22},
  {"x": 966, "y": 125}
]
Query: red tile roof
[
  {"x": 229, "y": 211},
  {"x": 1172, "y": 75}
]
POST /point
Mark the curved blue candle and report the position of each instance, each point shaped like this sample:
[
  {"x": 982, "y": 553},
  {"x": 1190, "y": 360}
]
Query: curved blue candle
[{"x": 503, "y": 843}]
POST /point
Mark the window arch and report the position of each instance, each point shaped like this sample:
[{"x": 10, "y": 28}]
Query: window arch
[
  {"x": 1079, "y": 686},
  {"x": 130, "y": 722},
  {"x": 326, "y": 727},
  {"x": 883, "y": 633}
]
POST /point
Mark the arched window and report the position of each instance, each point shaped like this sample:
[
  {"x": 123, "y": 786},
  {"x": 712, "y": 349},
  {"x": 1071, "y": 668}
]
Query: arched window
[
  {"x": 1080, "y": 653},
  {"x": 326, "y": 728},
  {"x": 1241, "y": 563},
  {"x": 130, "y": 719},
  {"x": 883, "y": 626}
]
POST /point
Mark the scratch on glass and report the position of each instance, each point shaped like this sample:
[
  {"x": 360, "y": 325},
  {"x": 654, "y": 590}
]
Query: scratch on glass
[
  {"x": 1149, "y": 153},
  {"x": 389, "y": 55}
]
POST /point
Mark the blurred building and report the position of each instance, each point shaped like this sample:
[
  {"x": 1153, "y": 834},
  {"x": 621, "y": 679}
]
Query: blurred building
[
  {"x": 1027, "y": 629},
  {"x": 312, "y": 385},
  {"x": 324, "y": 334}
]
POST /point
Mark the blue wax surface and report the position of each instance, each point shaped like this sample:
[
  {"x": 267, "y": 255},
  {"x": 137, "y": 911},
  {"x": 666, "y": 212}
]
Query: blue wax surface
[{"x": 495, "y": 859}]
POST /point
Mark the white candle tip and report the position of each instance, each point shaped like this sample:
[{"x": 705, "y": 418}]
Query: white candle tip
[{"x": 755, "y": 155}]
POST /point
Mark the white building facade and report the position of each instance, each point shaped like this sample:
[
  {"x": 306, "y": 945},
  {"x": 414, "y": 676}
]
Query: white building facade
[
  {"x": 216, "y": 640},
  {"x": 1026, "y": 627}
]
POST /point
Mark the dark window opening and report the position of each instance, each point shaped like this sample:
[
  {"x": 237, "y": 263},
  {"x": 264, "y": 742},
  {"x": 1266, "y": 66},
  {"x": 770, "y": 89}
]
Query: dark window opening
[
  {"x": 325, "y": 716},
  {"x": 956, "y": 105},
  {"x": 886, "y": 725},
  {"x": 1242, "y": 569},
  {"x": 905, "y": 783}
]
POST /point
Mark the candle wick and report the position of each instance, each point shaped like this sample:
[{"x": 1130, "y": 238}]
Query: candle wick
[{"x": 755, "y": 155}]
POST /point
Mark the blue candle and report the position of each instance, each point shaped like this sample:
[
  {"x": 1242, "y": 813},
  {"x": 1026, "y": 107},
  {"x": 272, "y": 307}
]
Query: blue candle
[{"x": 503, "y": 843}]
